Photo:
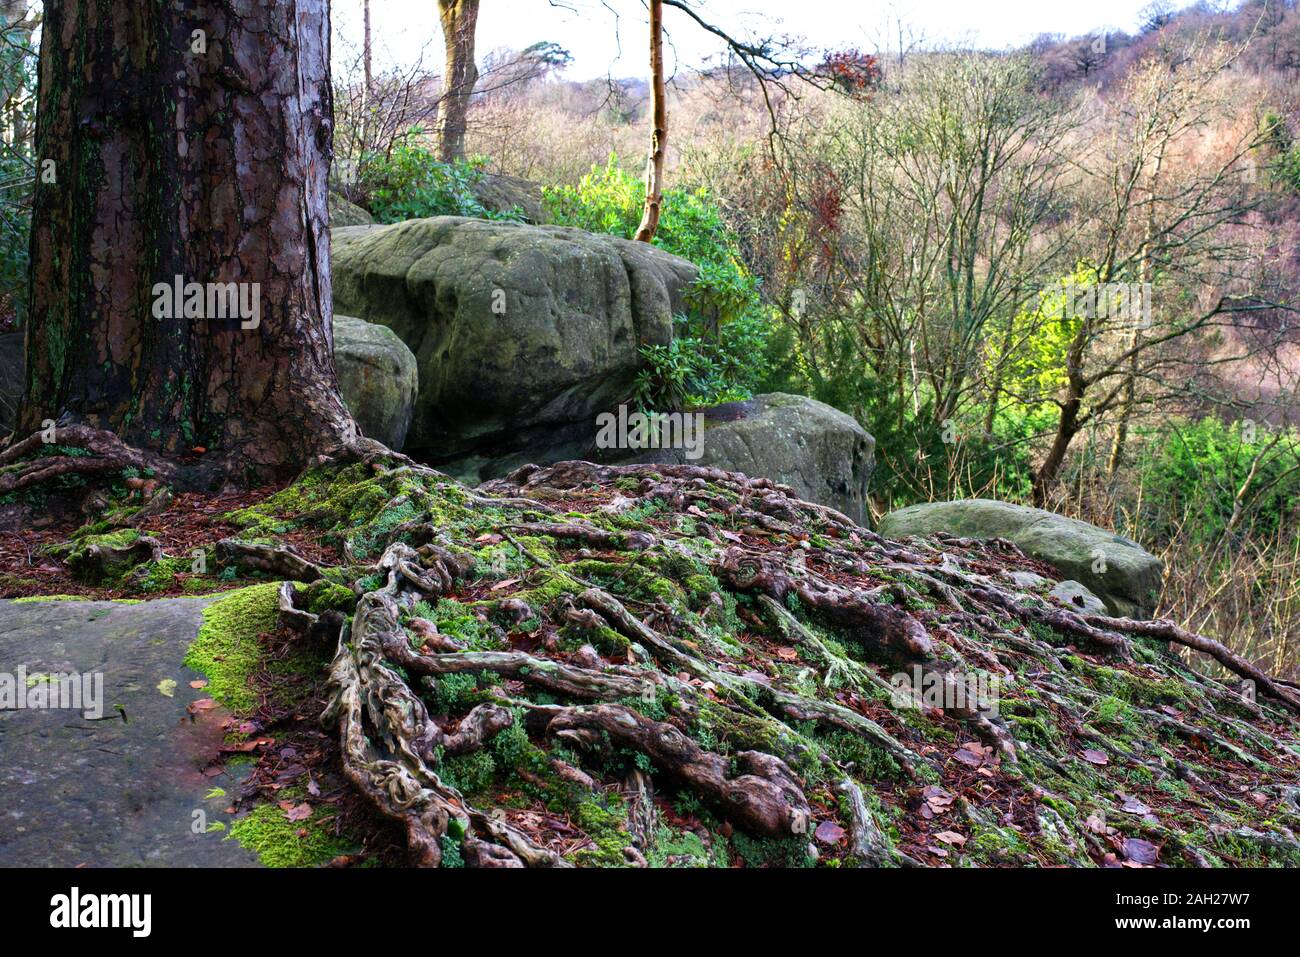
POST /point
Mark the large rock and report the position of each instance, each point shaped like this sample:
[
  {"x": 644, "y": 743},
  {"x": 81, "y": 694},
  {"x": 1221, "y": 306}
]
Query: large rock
[
  {"x": 378, "y": 378},
  {"x": 505, "y": 194},
  {"x": 11, "y": 379},
  {"x": 1119, "y": 571},
  {"x": 344, "y": 212},
  {"x": 522, "y": 333},
  {"x": 820, "y": 452}
]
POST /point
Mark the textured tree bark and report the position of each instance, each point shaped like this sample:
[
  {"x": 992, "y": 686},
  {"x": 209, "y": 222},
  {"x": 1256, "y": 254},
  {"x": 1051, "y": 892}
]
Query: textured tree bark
[
  {"x": 654, "y": 186},
  {"x": 191, "y": 139},
  {"x": 459, "y": 21}
]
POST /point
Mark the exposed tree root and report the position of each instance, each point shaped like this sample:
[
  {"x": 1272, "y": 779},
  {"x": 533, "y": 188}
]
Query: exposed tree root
[
  {"x": 706, "y": 638},
  {"x": 1168, "y": 631},
  {"x": 26, "y": 464},
  {"x": 282, "y": 562}
]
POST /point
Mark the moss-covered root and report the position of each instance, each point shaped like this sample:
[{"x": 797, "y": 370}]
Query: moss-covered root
[
  {"x": 397, "y": 778},
  {"x": 532, "y": 646}
]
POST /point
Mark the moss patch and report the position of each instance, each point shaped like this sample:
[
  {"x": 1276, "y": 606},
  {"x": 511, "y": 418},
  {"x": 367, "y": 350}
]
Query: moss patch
[
  {"x": 226, "y": 650},
  {"x": 280, "y": 842}
]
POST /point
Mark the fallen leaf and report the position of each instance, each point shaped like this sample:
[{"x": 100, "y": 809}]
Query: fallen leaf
[
  {"x": 505, "y": 584},
  {"x": 969, "y": 758},
  {"x": 1093, "y": 756},
  {"x": 950, "y": 837},
  {"x": 297, "y": 812},
  {"x": 1143, "y": 852},
  {"x": 1097, "y": 824},
  {"x": 1134, "y": 806},
  {"x": 828, "y": 832},
  {"x": 200, "y": 683}
]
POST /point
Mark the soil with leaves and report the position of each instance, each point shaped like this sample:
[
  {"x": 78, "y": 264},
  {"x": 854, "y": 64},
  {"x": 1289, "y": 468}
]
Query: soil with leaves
[{"x": 676, "y": 666}]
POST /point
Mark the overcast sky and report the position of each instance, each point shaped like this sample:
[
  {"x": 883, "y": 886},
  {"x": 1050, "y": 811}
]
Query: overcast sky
[{"x": 592, "y": 29}]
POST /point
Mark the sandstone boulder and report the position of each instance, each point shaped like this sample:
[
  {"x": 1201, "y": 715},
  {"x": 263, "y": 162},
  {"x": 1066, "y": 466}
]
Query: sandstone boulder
[
  {"x": 820, "y": 452},
  {"x": 346, "y": 213},
  {"x": 504, "y": 194},
  {"x": 522, "y": 334},
  {"x": 1118, "y": 571},
  {"x": 378, "y": 378}
]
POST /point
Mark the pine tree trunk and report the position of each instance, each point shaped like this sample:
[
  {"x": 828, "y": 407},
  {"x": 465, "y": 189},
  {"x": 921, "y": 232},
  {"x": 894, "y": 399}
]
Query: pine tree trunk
[
  {"x": 459, "y": 22},
  {"x": 200, "y": 155}
]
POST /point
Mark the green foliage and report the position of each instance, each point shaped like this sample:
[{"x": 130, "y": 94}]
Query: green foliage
[
  {"x": 17, "y": 170},
  {"x": 1191, "y": 472},
  {"x": 722, "y": 342},
  {"x": 410, "y": 182},
  {"x": 454, "y": 693},
  {"x": 1277, "y": 140}
]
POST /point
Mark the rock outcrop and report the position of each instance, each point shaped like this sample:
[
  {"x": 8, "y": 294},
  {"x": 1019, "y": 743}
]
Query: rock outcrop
[
  {"x": 522, "y": 334},
  {"x": 504, "y": 194},
  {"x": 817, "y": 450},
  {"x": 344, "y": 212},
  {"x": 378, "y": 378},
  {"x": 104, "y": 784},
  {"x": 1117, "y": 570}
]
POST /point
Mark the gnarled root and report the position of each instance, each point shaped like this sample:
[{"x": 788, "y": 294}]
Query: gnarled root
[
  {"x": 766, "y": 797},
  {"x": 24, "y": 464}
]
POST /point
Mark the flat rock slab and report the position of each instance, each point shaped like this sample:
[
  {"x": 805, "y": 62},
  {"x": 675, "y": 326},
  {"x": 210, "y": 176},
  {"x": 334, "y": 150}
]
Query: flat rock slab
[{"x": 111, "y": 792}]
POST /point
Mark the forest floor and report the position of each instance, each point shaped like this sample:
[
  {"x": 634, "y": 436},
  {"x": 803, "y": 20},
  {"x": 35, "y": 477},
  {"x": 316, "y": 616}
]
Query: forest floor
[{"x": 668, "y": 667}]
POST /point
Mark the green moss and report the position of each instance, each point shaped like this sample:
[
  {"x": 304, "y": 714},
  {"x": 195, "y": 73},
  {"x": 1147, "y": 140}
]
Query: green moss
[
  {"x": 551, "y": 585},
  {"x": 226, "y": 649},
  {"x": 674, "y": 848},
  {"x": 463, "y": 623},
  {"x": 772, "y": 852},
  {"x": 450, "y": 694},
  {"x": 279, "y": 842},
  {"x": 161, "y": 575},
  {"x": 362, "y": 507},
  {"x": 31, "y": 598},
  {"x": 990, "y": 844},
  {"x": 607, "y": 828},
  {"x": 75, "y": 554},
  {"x": 322, "y": 596},
  {"x": 469, "y": 773}
]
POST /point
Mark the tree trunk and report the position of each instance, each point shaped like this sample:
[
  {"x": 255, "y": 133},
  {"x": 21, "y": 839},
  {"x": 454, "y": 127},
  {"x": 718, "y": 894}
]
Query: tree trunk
[
  {"x": 459, "y": 21},
  {"x": 368, "y": 69},
  {"x": 654, "y": 184},
  {"x": 1067, "y": 428},
  {"x": 208, "y": 166}
]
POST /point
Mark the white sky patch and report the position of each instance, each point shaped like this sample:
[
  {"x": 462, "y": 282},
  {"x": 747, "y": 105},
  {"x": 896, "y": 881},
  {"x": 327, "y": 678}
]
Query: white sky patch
[{"x": 593, "y": 30}]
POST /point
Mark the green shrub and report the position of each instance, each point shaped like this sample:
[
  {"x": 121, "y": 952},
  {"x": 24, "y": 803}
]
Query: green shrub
[
  {"x": 410, "y": 182},
  {"x": 1191, "y": 471},
  {"x": 722, "y": 342}
]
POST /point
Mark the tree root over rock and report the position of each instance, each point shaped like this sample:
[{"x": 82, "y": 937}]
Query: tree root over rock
[{"x": 751, "y": 648}]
